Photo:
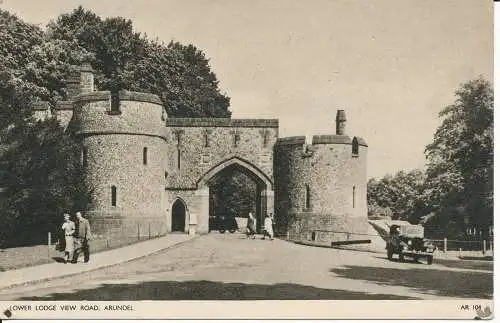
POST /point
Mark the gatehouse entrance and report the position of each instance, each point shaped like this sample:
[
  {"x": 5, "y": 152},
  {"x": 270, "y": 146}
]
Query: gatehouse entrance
[{"x": 254, "y": 193}]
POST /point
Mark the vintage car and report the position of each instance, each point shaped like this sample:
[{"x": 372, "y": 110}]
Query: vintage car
[
  {"x": 223, "y": 222},
  {"x": 407, "y": 240}
]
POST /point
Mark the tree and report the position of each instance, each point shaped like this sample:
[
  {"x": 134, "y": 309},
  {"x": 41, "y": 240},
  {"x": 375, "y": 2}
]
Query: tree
[
  {"x": 233, "y": 193},
  {"x": 460, "y": 170},
  {"x": 43, "y": 176},
  {"x": 37, "y": 161},
  {"x": 124, "y": 59},
  {"x": 399, "y": 196}
]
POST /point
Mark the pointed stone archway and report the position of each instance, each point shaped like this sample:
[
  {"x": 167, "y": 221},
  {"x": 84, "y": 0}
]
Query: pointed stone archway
[{"x": 264, "y": 189}]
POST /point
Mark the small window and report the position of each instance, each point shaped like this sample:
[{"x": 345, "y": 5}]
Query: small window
[
  {"x": 145, "y": 155},
  {"x": 113, "y": 195},
  {"x": 178, "y": 159},
  {"x": 207, "y": 139},
  {"x": 115, "y": 103},
  {"x": 355, "y": 147},
  {"x": 84, "y": 157},
  {"x": 353, "y": 196},
  {"x": 236, "y": 139},
  {"x": 266, "y": 138},
  {"x": 308, "y": 197}
]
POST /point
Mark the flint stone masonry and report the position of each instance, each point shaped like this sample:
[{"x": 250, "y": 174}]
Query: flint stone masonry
[
  {"x": 336, "y": 181},
  {"x": 197, "y": 159},
  {"x": 310, "y": 186}
]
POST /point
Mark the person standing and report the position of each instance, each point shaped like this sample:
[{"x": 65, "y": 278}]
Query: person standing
[
  {"x": 68, "y": 228},
  {"x": 268, "y": 228},
  {"x": 251, "y": 226},
  {"x": 83, "y": 236}
]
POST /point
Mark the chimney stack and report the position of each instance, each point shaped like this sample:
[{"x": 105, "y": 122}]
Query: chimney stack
[
  {"x": 81, "y": 81},
  {"x": 341, "y": 121},
  {"x": 86, "y": 78}
]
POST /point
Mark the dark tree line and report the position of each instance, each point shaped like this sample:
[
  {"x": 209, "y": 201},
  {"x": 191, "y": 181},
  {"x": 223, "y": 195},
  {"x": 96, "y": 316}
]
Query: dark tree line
[{"x": 454, "y": 194}]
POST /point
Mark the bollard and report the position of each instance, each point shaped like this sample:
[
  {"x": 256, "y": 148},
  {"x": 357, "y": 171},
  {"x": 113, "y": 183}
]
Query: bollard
[
  {"x": 459, "y": 252},
  {"x": 107, "y": 239},
  {"x": 149, "y": 229},
  {"x": 287, "y": 235},
  {"x": 484, "y": 247},
  {"x": 445, "y": 247},
  {"x": 138, "y": 231},
  {"x": 49, "y": 242}
]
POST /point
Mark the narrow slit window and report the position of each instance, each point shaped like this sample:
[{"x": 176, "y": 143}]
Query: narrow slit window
[
  {"x": 266, "y": 138},
  {"x": 84, "y": 157},
  {"x": 207, "y": 140},
  {"x": 113, "y": 195},
  {"x": 353, "y": 196},
  {"x": 236, "y": 139},
  {"x": 145, "y": 155},
  {"x": 355, "y": 147},
  {"x": 178, "y": 159},
  {"x": 308, "y": 197},
  {"x": 115, "y": 102}
]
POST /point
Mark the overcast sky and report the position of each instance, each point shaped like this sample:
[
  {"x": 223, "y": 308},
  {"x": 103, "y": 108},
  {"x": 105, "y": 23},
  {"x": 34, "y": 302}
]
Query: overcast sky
[{"x": 392, "y": 65}]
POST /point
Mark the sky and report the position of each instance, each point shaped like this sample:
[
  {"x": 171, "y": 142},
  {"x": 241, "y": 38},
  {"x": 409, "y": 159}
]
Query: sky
[{"x": 392, "y": 65}]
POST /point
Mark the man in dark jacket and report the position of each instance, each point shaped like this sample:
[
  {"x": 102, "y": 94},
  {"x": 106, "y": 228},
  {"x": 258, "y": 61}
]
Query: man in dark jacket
[{"x": 83, "y": 235}]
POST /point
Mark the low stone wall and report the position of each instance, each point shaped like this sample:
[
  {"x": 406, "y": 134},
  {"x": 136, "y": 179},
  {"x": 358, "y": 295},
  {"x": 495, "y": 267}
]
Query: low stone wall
[
  {"x": 127, "y": 226},
  {"x": 323, "y": 229}
]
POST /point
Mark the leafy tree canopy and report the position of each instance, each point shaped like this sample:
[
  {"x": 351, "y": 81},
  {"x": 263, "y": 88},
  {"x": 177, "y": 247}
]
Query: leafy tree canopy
[
  {"x": 125, "y": 59},
  {"x": 455, "y": 191}
]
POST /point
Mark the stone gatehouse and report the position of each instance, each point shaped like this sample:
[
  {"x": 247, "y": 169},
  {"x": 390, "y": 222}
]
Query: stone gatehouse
[{"x": 149, "y": 168}]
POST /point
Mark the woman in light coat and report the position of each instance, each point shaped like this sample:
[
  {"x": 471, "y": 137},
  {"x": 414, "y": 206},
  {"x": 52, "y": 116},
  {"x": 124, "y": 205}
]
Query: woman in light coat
[
  {"x": 68, "y": 228},
  {"x": 268, "y": 228}
]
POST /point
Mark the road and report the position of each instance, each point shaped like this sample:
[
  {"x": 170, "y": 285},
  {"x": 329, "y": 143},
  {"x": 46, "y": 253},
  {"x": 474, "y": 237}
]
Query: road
[{"x": 232, "y": 267}]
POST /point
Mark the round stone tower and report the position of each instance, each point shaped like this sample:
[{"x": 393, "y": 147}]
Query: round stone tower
[
  {"x": 123, "y": 144},
  {"x": 321, "y": 186}
]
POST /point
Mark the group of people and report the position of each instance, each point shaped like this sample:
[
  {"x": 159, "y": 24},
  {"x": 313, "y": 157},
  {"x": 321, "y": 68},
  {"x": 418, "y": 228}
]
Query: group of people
[
  {"x": 76, "y": 238},
  {"x": 268, "y": 227}
]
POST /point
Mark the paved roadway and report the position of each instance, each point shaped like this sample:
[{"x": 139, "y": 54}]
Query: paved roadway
[{"x": 232, "y": 267}]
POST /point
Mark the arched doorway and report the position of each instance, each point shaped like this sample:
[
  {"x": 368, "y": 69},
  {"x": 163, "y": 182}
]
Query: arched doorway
[
  {"x": 178, "y": 216},
  {"x": 259, "y": 195}
]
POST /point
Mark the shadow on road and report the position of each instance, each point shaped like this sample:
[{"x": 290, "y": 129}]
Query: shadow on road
[
  {"x": 209, "y": 290},
  {"x": 58, "y": 259},
  {"x": 451, "y": 263},
  {"x": 425, "y": 280},
  {"x": 466, "y": 264}
]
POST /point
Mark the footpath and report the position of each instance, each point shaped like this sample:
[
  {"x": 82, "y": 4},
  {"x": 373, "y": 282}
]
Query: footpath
[{"x": 99, "y": 260}]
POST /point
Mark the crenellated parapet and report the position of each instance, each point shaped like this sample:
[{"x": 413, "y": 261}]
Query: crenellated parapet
[{"x": 127, "y": 112}]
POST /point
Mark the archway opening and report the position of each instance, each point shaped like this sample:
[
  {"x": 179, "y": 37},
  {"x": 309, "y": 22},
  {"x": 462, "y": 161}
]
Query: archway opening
[
  {"x": 178, "y": 216},
  {"x": 234, "y": 192}
]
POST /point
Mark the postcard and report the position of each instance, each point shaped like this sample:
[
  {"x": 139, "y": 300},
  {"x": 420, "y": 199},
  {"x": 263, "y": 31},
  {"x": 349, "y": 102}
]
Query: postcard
[{"x": 245, "y": 159}]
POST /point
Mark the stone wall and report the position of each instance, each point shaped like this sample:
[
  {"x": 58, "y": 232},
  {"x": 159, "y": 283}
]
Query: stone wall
[
  {"x": 197, "y": 156},
  {"x": 329, "y": 174},
  {"x": 113, "y": 155},
  {"x": 196, "y": 202}
]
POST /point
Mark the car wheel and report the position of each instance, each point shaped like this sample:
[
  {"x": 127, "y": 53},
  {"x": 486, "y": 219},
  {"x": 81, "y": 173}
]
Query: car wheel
[
  {"x": 232, "y": 230},
  {"x": 389, "y": 254},
  {"x": 401, "y": 257},
  {"x": 222, "y": 230},
  {"x": 415, "y": 259},
  {"x": 429, "y": 260}
]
